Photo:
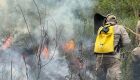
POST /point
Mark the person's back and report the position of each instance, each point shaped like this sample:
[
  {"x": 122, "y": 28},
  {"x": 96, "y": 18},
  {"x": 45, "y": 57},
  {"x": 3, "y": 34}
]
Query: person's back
[
  {"x": 136, "y": 55},
  {"x": 136, "y": 63},
  {"x": 108, "y": 65}
]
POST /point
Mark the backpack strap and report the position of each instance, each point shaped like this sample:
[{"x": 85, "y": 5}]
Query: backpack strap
[
  {"x": 119, "y": 45},
  {"x": 105, "y": 28}
]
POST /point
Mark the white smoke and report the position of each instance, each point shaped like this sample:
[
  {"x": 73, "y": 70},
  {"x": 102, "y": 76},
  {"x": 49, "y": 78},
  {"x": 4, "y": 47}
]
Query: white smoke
[
  {"x": 64, "y": 15},
  {"x": 11, "y": 64},
  {"x": 55, "y": 15}
]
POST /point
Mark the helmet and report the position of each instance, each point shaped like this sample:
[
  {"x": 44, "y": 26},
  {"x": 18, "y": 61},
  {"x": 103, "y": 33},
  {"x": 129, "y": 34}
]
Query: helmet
[{"x": 111, "y": 19}]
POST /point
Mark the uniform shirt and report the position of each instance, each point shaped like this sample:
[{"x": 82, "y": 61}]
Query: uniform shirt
[{"x": 120, "y": 31}]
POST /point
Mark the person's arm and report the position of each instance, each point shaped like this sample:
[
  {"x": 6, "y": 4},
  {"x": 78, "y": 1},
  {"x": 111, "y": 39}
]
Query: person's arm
[
  {"x": 138, "y": 30},
  {"x": 125, "y": 37}
]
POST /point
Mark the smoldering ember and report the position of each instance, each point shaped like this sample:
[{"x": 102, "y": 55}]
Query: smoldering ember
[{"x": 43, "y": 39}]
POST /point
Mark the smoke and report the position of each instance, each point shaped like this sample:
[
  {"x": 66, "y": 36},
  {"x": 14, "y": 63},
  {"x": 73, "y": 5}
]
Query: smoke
[
  {"x": 2, "y": 3},
  {"x": 11, "y": 64},
  {"x": 64, "y": 13},
  {"x": 26, "y": 19},
  {"x": 54, "y": 14}
]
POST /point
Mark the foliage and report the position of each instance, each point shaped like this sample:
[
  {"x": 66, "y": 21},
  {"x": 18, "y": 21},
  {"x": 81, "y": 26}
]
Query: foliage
[
  {"x": 125, "y": 10},
  {"x": 127, "y": 14},
  {"x": 119, "y": 7}
]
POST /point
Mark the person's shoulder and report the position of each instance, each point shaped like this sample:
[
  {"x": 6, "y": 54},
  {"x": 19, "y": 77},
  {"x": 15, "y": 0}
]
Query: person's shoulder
[
  {"x": 138, "y": 22},
  {"x": 118, "y": 26},
  {"x": 136, "y": 51}
]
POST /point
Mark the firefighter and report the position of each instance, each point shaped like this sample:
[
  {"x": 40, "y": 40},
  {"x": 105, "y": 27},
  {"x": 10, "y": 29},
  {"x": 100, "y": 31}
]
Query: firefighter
[
  {"x": 136, "y": 55},
  {"x": 108, "y": 65},
  {"x": 138, "y": 30}
]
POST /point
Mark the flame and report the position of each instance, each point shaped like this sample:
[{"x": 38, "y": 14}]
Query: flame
[
  {"x": 7, "y": 42},
  {"x": 69, "y": 46},
  {"x": 45, "y": 52}
]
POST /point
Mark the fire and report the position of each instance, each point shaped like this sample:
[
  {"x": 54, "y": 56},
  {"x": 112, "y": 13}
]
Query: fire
[
  {"x": 7, "y": 43},
  {"x": 69, "y": 46},
  {"x": 45, "y": 52}
]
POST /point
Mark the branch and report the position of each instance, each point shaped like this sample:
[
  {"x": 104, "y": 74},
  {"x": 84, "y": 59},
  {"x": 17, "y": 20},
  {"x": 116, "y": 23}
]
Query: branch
[
  {"x": 11, "y": 69},
  {"x": 25, "y": 22},
  {"x": 38, "y": 11},
  {"x": 57, "y": 38},
  {"x": 26, "y": 68}
]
